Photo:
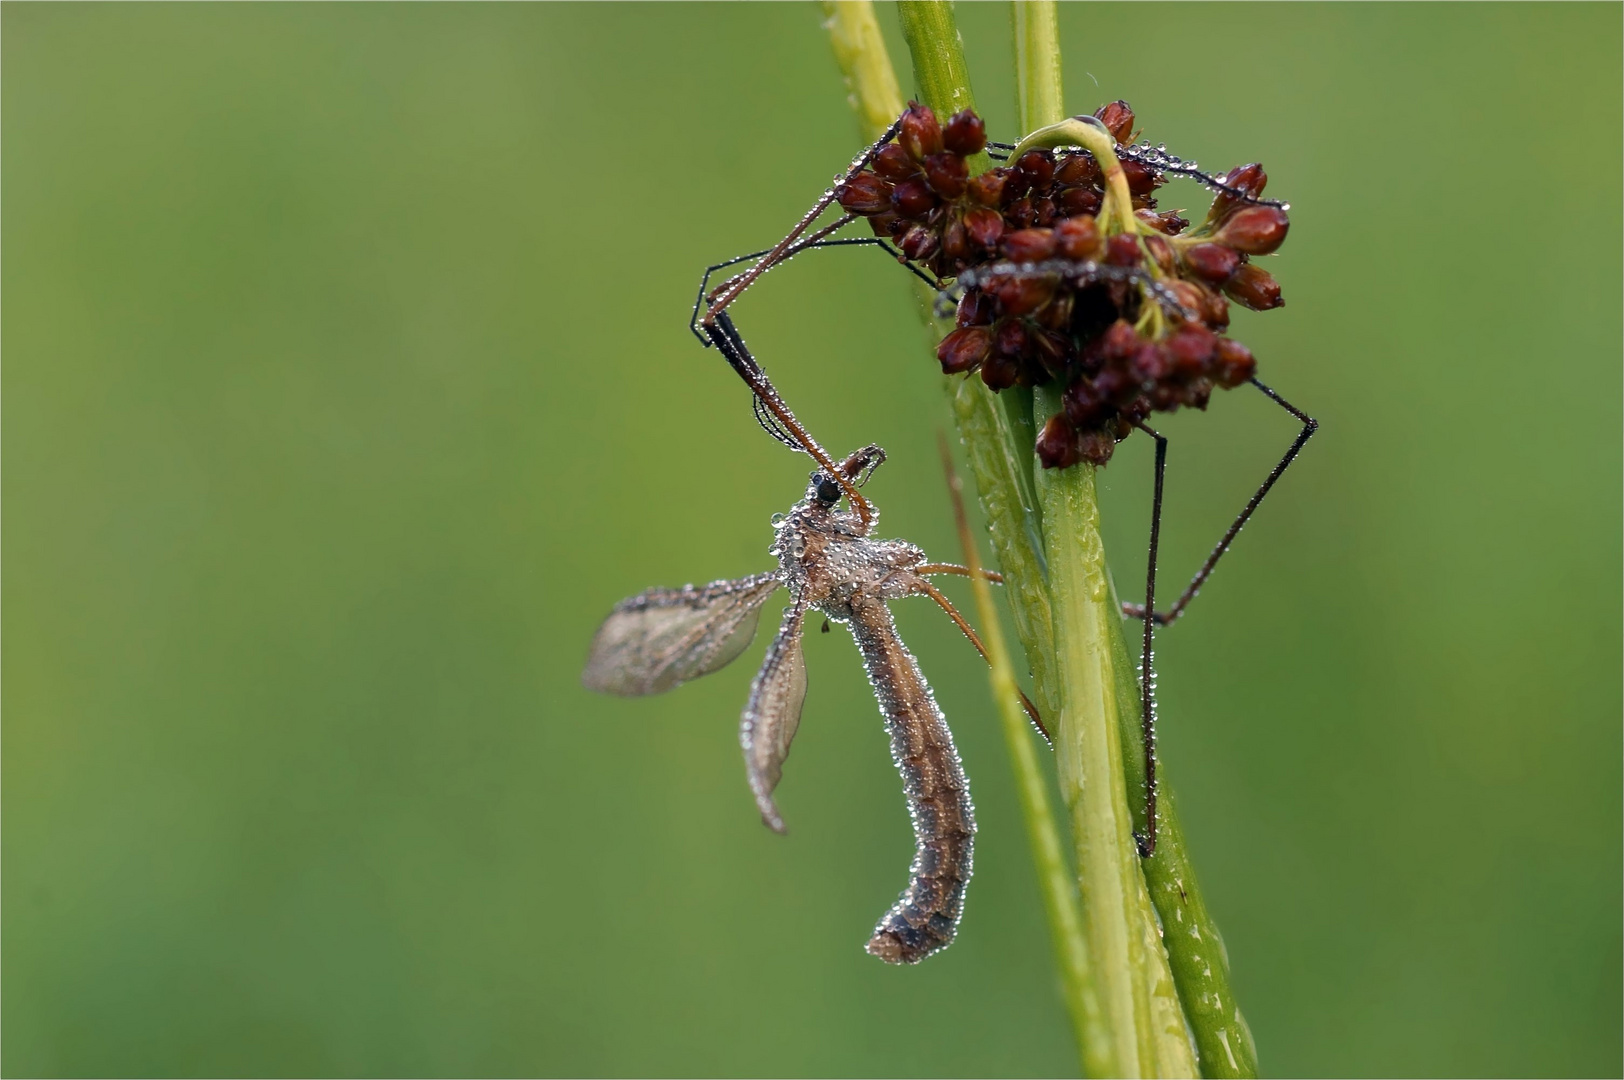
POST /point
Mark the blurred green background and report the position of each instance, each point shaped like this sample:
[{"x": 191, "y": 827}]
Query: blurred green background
[{"x": 346, "y": 387}]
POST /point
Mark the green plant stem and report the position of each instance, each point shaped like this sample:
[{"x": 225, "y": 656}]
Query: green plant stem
[
  {"x": 1048, "y": 853},
  {"x": 871, "y": 82}
]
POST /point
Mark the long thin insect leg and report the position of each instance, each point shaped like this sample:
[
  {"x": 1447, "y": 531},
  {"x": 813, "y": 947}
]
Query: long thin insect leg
[
  {"x": 1310, "y": 425},
  {"x": 730, "y": 292},
  {"x": 817, "y": 240},
  {"x": 969, "y": 631},
  {"x": 962, "y": 571},
  {"x": 1147, "y": 678},
  {"x": 727, "y": 339}
]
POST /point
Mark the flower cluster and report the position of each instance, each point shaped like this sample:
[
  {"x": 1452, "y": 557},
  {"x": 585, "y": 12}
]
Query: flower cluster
[{"x": 1129, "y": 320}]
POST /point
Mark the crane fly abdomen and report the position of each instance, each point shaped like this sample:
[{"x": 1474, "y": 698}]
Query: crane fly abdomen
[{"x": 926, "y": 915}]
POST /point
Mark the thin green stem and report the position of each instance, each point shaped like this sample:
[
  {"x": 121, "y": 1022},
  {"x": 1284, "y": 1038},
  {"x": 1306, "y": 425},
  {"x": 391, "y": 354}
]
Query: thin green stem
[{"x": 1048, "y": 853}]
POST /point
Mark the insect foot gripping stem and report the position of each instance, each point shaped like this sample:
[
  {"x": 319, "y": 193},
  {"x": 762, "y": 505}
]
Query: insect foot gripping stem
[{"x": 926, "y": 917}]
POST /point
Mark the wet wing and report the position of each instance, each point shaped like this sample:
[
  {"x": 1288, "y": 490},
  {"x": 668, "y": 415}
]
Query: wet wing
[
  {"x": 773, "y": 713},
  {"x": 663, "y": 637}
]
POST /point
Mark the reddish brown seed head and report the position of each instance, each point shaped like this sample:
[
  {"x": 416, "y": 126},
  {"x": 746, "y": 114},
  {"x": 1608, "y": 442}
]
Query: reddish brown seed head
[
  {"x": 1000, "y": 372},
  {"x": 864, "y": 193},
  {"x": 1212, "y": 262},
  {"x": 1079, "y": 200},
  {"x": 1037, "y": 167},
  {"x": 965, "y": 134},
  {"x": 921, "y": 135},
  {"x": 1161, "y": 252},
  {"x": 1123, "y": 250},
  {"x": 893, "y": 162},
  {"x": 1022, "y": 294},
  {"x": 1142, "y": 179},
  {"x": 913, "y": 198},
  {"x": 1190, "y": 347},
  {"x": 1078, "y": 237},
  {"x": 1118, "y": 120},
  {"x": 1232, "y": 363},
  {"x": 1248, "y": 180},
  {"x": 964, "y": 349},
  {"x": 955, "y": 241},
  {"x": 1119, "y": 341},
  {"x": 1076, "y": 168},
  {"x": 985, "y": 227},
  {"x": 946, "y": 174},
  {"x": 1152, "y": 363},
  {"x": 1254, "y": 288},
  {"x": 988, "y": 188},
  {"x": 1256, "y": 230},
  {"x": 1084, "y": 407},
  {"x": 1097, "y": 446},
  {"x": 1057, "y": 443},
  {"x": 976, "y": 308},
  {"x": 919, "y": 243},
  {"x": 1009, "y": 339},
  {"x": 1028, "y": 245}
]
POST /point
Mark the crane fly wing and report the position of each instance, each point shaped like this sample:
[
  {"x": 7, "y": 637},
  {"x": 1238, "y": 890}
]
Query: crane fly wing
[
  {"x": 661, "y": 638},
  {"x": 773, "y": 713}
]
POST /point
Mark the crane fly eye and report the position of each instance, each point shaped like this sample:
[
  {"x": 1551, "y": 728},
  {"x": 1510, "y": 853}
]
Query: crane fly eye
[{"x": 828, "y": 492}]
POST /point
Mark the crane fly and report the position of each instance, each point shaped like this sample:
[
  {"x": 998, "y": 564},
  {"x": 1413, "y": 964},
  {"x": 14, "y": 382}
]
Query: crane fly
[{"x": 832, "y": 565}]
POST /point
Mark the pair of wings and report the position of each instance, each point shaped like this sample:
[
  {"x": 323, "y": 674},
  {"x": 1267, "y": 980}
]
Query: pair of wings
[{"x": 662, "y": 638}]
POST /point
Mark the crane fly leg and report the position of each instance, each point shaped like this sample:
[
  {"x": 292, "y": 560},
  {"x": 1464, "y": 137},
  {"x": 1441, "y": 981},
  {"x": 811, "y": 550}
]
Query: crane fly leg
[{"x": 925, "y": 587}]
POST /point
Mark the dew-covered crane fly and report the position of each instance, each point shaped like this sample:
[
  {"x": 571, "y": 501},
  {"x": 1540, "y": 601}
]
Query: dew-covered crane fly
[
  {"x": 832, "y": 566},
  {"x": 1033, "y": 260}
]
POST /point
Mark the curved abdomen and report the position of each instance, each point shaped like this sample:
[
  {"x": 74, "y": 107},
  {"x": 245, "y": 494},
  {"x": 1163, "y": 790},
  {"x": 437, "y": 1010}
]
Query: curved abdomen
[{"x": 926, "y": 916}]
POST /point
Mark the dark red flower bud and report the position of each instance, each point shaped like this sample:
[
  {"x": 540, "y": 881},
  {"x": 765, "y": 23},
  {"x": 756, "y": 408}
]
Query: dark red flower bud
[
  {"x": 985, "y": 227},
  {"x": 964, "y": 349},
  {"x": 1079, "y": 200},
  {"x": 1119, "y": 341},
  {"x": 913, "y": 198},
  {"x": 1076, "y": 168},
  {"x": 1197, "y": 394},
  {"x": 1211, "y": 262},
  {"x": 1028, "y": 245},
  {"x": 965, "y": 133},
  {"x": 1016, "y": 186},
  {"x": 1010, "y": 340},
  {"x": 988, "y": 188},
  {"x": 1253, "y": 287},
  {"x": 1256, "y": 230},
  {"x": 1022, "y": 294},
  {"x": 1189, "y": 296},
  {"x": 1000, "y": 372},
  {"x": 1152, "y": 363},
  {"x": 1142, "y": 179},
  {"x": 947, "y": 174},
  {"x": 1084, "y": 406},
  {"x": 1037, "y": 166},
  {"x": 919, "y": 243},
  {"x": 976, "y": 308},
  {"x": 1246, "y": 179},
  {"x": 864, "y": 193},
  {"x": 1166, "y": 397},
  {"x": 921, "y": 135},
  {"x": 893, "y": 162},
  {"x": 1123, "y": 250},
  {"x": 1168, "y": 224},
  {"x": 1232, "y": 363},
  {"x": 1096, "y": 447},
  {"x": 1117, "y": 118},
  {"x": 1057, "y": 443},
  {"x": 1045, "y": 213},
  {"x": 1190, "y": 347},
  {"x": 1021, "y": 214},
  {"x": 1078, "y": 237}
]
